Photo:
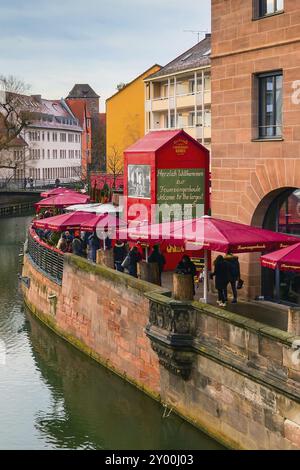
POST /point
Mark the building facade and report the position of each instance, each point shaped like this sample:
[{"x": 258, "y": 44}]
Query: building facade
[
  {"x": 84, "y": 93},
  {"x": 53, "y": 142},
  {"x": 256, "y": 126},
  {"x": 179, "y": 95},
  {"x": 125, "y": 120},
  {"x": 80, "y": 110}
]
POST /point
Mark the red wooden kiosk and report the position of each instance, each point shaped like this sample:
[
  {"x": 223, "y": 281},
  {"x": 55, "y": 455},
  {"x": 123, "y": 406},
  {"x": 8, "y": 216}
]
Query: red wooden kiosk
[{"x": 165, "y": 167}]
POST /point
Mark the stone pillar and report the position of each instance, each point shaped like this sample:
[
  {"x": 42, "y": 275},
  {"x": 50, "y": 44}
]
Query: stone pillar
[
  {"x": 183, "y": 287},
  {"x": 149, "y": 272},
  {"x": 106, "y": 258},
  {"x": 294, "y": 321}
]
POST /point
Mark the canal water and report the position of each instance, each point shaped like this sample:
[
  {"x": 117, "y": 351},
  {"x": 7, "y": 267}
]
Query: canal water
[{"x": 53, "y": 397}]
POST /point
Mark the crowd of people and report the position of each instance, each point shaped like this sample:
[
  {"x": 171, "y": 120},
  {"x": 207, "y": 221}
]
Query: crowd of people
[{"x": 226, "y": 270}]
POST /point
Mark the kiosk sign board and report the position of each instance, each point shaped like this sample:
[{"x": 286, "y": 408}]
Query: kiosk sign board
[{"x": 182, "y": 188}]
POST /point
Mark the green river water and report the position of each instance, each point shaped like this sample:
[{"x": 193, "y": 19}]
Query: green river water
[{"x": 53, "y": 397}]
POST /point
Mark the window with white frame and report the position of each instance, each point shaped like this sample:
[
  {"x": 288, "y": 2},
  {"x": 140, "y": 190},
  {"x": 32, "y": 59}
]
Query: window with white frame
[{"x": 264, "y": 8}]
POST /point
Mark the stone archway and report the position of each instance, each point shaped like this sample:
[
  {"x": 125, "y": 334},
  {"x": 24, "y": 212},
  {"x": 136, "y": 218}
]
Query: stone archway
[{"x": 253, "y": 272}]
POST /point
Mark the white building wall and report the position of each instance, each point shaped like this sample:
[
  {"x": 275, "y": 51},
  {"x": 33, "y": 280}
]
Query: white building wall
[{"x": 48, "y": 159}]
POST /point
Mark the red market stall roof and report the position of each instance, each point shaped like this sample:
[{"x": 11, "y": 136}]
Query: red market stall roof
[
  {"x": 61, "y": 223},
  {"x": 287, "y": 259},
  {"x": 56, "y": 191},
  {"x": 101, "y": 222},
  {"x": 213, "y": 235},
  {"x": 63, "y": 200},
  {"x": 153, "y": 141}
]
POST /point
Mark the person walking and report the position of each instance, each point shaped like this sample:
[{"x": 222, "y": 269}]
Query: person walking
[
  {"x": 31, "y": 182},
  {"x": 187, "y": 267},
  {"x": 234, "y": 275},
  {"x": 25, "y": 183},
  {"x": 221, "y": 274},
  {"x": 157, "y": 257},
  {"x": 120, "y": 253},
  {"x": 134, "y": 257}
]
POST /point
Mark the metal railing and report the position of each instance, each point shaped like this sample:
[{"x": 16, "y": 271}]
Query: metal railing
[
  {"x": 19, "y": 184},
  {"x": 48, "y": 259}
]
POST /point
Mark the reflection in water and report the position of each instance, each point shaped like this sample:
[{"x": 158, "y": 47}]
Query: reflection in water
[{"x": 52, "y": 396}]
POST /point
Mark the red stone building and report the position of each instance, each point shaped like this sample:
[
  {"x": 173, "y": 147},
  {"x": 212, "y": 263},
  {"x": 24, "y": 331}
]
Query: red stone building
[
  {"x": 83, "y": 92},
  {"x": 256, "y": 125},
  {"x": 80, "y": 110}
]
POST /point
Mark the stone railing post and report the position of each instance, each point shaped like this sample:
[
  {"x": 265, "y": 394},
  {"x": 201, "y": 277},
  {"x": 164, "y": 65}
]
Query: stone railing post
[
  {"x": 183, "y": 287},
  {"x": 149, "y": 272},
  {"x": 106, "y": 258},
  {"x": 294, "y": 321}
]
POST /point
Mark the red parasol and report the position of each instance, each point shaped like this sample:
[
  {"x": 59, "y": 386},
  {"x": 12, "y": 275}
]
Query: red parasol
[
  {"x": 56, "y": 191},
  {"x": 63, "y": 222},
  {"x": 63, "y": 200},
  {"x": 101, "y": 222},
  {"x": 213, "y": 235},
  {"x": 287, "y": 259}
]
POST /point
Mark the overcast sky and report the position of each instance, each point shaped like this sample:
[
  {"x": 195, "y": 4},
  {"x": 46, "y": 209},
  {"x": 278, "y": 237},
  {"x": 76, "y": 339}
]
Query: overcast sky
[{"x": 53, "y": 44}]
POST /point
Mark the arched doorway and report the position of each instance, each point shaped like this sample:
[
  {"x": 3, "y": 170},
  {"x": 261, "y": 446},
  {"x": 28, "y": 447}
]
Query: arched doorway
[{"x": 280, "y": 211}]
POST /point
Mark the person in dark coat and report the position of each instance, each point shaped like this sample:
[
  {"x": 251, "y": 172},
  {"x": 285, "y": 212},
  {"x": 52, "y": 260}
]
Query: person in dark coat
[
  {"x": 77, "y": 245},
  {"x": 93, "y": 246},
  {"x": 186, "y": 266},
  {"x": 120, "y": 253},
  {"x": 157, "y": 257},
  {"x": 134, "y": 258},
  {"x": 221, "y": 274},
  {"x": 234, "y": 274}
]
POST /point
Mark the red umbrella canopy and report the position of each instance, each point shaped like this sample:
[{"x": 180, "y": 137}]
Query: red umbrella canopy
[
  {"x": 63, "y": 222},
  {"x": 101, "y": 222},
  {"x": 56, "y": 191},
  {"x": 214, "y": 235},
  {"x": 63, "y": 200},
  {"x": 287, "y": 259}
]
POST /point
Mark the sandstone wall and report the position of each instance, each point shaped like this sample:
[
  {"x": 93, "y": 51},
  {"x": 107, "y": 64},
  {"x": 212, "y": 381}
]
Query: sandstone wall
[{"x": 243, "y": 387}]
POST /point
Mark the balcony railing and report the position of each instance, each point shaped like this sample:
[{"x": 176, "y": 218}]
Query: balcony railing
[{"x": 48, "y": 259}]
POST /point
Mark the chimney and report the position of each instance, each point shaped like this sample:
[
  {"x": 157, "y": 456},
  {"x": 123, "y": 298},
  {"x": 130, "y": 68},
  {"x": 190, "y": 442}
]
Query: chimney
[{"x": 38, "y": 98}]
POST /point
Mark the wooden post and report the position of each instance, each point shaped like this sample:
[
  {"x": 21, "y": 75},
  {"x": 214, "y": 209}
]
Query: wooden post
[
  {"x": 105, "y": 258},
  {"x": 294, "y": 321},
  {"x": 183, "y": 287},
  {"x": 99, "y": 257},
  {"x": 149, "y": 272}
]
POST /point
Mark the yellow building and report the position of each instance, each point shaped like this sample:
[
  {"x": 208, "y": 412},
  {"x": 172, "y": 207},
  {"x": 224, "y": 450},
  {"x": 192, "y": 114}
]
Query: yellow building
[
  {"x": 125, "y": 119},
  {"x": 178, "y": 96}
]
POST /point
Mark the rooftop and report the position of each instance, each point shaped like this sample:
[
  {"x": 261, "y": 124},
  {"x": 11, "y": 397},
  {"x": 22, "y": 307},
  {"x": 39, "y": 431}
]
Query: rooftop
[
  {"x": 196, "y": 57},
  {"x": 46, "y": 113},
  {"x": 82, "y": 91}
]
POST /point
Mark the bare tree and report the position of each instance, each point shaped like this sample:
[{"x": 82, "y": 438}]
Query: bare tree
[
  {"x": 115, "y": 164},
  {"x": 13, "y": 116}
]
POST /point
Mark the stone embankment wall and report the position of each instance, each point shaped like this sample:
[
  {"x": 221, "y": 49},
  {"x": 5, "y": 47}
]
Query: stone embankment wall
[{"x": 235, "y": 378}]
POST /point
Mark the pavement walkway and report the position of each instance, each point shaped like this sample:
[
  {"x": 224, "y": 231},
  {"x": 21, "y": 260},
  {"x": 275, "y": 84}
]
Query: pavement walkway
[{"x": 270, "y": 314}]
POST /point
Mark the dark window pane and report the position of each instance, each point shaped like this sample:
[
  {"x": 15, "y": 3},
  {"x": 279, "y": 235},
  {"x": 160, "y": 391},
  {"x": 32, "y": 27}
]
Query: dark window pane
[{"x": 270, "y": 105}]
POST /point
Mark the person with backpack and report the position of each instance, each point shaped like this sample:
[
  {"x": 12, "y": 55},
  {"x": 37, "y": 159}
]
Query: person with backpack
[
  {"x": 132, "y": 259},
  {"x": 120, "y": 253}
]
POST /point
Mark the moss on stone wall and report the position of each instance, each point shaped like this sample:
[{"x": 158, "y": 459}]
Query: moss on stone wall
[{"x": 111, "y": 275}]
